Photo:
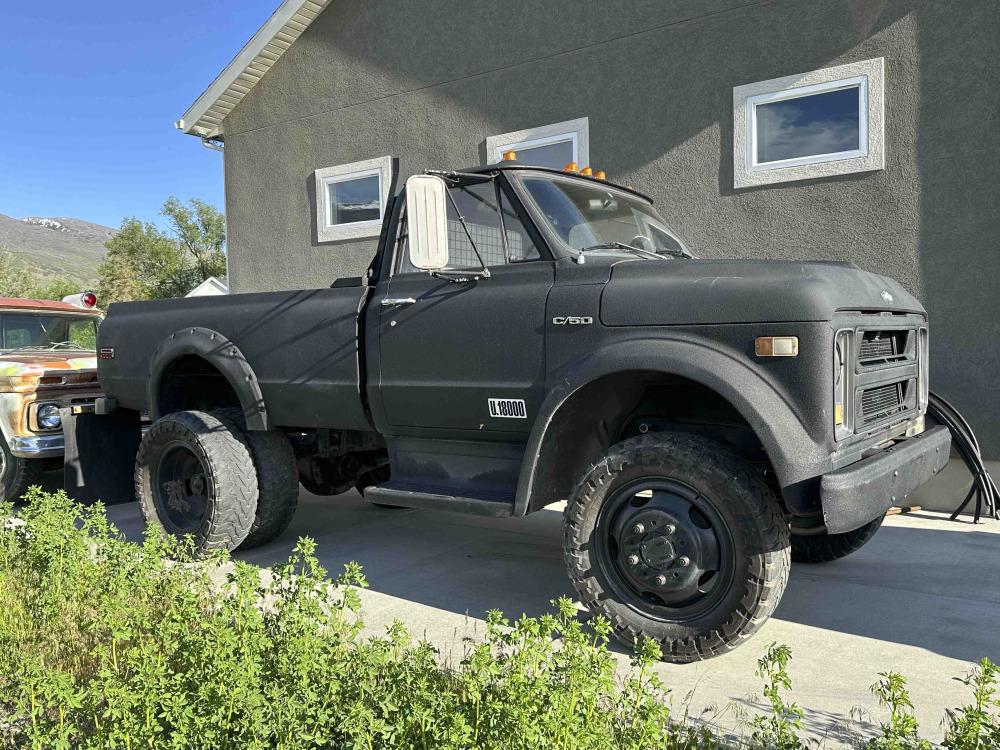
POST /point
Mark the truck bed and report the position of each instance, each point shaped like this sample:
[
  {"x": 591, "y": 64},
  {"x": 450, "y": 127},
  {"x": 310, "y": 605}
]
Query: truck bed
[{"x": 303, "y": 348}]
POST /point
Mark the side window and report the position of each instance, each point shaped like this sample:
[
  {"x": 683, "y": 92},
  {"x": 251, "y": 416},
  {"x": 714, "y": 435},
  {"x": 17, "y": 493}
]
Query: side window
[{"x": 487, "y": 222}]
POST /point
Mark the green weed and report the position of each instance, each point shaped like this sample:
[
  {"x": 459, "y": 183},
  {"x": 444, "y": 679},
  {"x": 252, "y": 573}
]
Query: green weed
[{"x": 106, "y": 644}]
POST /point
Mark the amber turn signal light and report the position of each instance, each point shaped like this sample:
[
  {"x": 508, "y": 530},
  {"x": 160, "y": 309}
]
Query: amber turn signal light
[
  {"x": 777, "y": 346},
  {"x": 509, "y": 156}
]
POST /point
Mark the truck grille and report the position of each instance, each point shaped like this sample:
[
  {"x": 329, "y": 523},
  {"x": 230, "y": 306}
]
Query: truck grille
[
  {"x": 881, "y": 347},
  {"x": 881, "y": 402}
]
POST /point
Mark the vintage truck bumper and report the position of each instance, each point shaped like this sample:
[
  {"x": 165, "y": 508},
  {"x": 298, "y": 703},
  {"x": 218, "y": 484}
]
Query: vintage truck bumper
[
  {"x": 37, "y": 446},
  {"x": 858, "y": 493}
]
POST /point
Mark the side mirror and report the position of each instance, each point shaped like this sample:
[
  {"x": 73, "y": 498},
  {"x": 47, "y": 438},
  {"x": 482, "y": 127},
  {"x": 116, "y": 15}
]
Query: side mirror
[{"x": 427, "y": 222}]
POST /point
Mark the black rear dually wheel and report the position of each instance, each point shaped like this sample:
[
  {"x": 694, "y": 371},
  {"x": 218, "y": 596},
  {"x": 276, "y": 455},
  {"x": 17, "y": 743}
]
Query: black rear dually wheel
[
  {"x": 194, "y": 474},
  {"x": 675, "y": 538},
  {"x": 824, "y": 547},
  {"x": 277, "y": 478}
]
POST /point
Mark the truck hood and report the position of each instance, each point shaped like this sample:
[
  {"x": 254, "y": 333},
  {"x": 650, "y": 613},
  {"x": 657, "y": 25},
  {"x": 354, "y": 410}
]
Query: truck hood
[
  {"x": 20, "y": 370},
  {"x": 701, "y": 292}
]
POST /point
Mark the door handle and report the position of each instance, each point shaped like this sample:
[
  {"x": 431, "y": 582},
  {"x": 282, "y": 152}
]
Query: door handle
[{"x": 397, "y": 301}]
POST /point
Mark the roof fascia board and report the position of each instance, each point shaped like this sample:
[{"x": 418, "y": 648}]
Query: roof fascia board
[{"x": 243, "y": 60}]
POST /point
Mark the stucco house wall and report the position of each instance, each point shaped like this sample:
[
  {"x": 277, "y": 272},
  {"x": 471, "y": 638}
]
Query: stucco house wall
[{"x": 427, "y": 82}]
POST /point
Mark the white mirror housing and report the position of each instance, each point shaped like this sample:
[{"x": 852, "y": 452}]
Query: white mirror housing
[{"x": 427, "y": 222}]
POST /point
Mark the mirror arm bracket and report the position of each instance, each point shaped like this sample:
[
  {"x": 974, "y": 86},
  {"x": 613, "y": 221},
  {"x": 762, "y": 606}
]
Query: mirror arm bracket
[
  {"x": 485, "y": 273},
  {"x": 453, "y": 176}
]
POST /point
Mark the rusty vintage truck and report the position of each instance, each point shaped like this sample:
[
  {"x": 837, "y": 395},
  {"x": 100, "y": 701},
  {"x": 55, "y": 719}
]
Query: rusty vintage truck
[{"x": 47, "y": 362}]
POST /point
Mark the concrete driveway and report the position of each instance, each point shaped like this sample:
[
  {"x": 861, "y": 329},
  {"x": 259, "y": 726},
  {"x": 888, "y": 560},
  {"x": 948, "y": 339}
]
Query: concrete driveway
[{"x": 923, "y": 599}]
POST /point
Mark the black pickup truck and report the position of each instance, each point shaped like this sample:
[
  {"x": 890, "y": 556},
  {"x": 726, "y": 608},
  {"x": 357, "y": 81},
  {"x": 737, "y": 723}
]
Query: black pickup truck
[{"x": 527, "y": 336}]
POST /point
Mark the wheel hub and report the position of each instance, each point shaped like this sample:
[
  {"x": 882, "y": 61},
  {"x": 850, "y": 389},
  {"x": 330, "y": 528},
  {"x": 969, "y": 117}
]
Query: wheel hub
[
  {"x": 181, "y": 489},
  {"x": 663, "y": 545},
  {"x": 657, "y": 552}
]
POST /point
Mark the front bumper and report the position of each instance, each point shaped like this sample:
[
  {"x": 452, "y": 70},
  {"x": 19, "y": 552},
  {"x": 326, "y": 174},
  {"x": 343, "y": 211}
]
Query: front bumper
[
  {"x": 38, "y": 446},
  {"x": 861, "y": 492}
]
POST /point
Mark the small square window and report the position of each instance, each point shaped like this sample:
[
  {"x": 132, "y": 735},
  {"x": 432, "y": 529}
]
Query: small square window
[
  {"x": 820, "y": 124},
  {"x": 354, "y": 199},
  {"x": 351, "y": 199},
  {"x": 552, "y": 146}
]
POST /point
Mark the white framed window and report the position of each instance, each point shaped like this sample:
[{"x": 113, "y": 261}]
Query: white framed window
[
  {"x": 351, "y": 198},
  {"x": 819, "y": 124},
  {"x": 554, "y": 145}
]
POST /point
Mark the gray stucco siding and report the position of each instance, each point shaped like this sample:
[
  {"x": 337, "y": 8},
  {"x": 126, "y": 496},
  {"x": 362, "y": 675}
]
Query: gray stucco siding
[{"x": 428, "y": 82}]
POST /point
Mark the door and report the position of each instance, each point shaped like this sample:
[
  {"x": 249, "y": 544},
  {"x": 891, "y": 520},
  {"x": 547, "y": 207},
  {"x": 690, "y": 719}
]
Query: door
[{"x": 467, "y": 356}]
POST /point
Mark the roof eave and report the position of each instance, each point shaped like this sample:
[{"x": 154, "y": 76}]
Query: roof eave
[{"x": 204, "y": 118}]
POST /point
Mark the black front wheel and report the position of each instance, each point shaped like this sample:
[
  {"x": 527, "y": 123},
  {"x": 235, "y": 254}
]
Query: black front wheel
[
  {"x": 675, "y": 538},
  {"x": 16, "y": 474},
  {"x": 195, "y": 475}
]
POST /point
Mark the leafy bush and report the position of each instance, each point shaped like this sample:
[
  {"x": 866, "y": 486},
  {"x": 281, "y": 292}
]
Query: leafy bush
[
  {"x": 900, "y": 733},
  {"x": 779, "y": 730},
  {"x": 108, "y": 644}
]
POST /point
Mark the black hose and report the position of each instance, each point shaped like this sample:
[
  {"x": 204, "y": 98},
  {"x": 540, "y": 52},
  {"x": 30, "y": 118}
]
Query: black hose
[{"x": 963, "y": 439}]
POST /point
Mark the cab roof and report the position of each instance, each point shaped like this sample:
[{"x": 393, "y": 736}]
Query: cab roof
[
  {"x": 18, "y": 303},
  {"x": 513, "y": 166}
]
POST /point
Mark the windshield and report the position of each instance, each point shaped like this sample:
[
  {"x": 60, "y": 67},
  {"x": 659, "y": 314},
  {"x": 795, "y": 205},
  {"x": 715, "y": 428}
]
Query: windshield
[
  {"x": 39, "y": 332},
  {"x": 586, "y": 216}
]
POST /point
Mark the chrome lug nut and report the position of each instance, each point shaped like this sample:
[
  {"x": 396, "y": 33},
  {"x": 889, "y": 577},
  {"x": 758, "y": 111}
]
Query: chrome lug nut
[
  {"x": 639, "y": 528},
  {"x": 669, "y": 529},
  {"x": 661, "y": 580},
  {"x": 633, "y": 559},
  {"x": 684, "y": 561}
]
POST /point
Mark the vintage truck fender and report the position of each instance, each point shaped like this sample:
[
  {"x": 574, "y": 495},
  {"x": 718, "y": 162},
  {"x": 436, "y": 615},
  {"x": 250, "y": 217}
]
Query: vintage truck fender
[
  {"x": 223, "y": 355},
  {"x": 794, "y": 454}
]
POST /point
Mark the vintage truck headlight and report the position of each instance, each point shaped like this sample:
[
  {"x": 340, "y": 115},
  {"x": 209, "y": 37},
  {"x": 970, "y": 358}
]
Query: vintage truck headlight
[
  {"x": 48, "y": 417},
  {"x": 842, "y": 377}
]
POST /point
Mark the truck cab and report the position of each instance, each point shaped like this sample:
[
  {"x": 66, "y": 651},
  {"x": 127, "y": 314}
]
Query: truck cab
[{"x": 528, "y": 336}]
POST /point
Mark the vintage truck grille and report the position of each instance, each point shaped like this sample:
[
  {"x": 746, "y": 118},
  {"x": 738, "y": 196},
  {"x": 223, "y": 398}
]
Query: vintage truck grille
[
  {"x": 881, "y": 402},
  {"x": 881, "y": 347}
]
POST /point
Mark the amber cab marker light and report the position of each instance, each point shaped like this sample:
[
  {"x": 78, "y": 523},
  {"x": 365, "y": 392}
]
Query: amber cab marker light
[
  {"x": 777, "y": 346},
  {"x": 838, "y": 414},
  {"x": 509, "y": 156},
  {"x": 587, "y": 172},
  {"x": 601, "y": 174},
  {"x": 571, "y": 167}
]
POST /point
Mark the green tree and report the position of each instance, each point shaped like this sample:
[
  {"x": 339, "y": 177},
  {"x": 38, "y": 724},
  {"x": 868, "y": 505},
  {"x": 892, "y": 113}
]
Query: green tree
[
  {"x": 16, "y": 280},
  {"x": 201, "y": 230},
  {"x": 144, "y": 262},
  {"x": 20, "y": 280},
  {"x": 57, "y": 287}
]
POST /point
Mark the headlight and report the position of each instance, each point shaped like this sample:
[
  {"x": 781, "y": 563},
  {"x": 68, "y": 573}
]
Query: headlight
[
  {"x": 923, "y": 370},
  {"x": 48, "y": 417},
  {"x": 842, "y": 390}
]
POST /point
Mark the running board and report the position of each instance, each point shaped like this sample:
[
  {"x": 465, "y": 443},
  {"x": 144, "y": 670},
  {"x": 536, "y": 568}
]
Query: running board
[{"x": 428, "y": 501}]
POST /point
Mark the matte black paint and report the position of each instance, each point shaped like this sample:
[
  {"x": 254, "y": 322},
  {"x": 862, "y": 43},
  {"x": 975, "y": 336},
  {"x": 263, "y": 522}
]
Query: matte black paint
[
  {"x": 301, "y": 348},
  {"x": 882, "y": 480},
  {"x": 421, "y": 375}
]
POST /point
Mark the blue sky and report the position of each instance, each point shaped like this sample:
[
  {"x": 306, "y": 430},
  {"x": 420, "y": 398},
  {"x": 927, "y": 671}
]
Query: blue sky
[{"x": 89, "y": 92}]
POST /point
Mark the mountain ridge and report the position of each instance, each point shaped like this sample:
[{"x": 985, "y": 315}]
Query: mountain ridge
[{"x": 59, "y": 245}]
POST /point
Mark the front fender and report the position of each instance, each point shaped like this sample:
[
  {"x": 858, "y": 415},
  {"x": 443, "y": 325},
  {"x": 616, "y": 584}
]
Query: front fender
[{"x": 795, "y": 455}]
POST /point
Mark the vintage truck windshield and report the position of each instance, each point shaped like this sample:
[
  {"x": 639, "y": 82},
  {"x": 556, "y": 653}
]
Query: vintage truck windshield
[
  {"x": 36, "y": 332},
  {"x": 585, "y": 216}
]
